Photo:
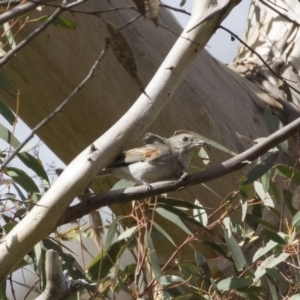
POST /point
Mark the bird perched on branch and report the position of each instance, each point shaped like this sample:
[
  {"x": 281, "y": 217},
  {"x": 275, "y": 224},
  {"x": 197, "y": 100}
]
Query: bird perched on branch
[{"x": 160, "y": 159}]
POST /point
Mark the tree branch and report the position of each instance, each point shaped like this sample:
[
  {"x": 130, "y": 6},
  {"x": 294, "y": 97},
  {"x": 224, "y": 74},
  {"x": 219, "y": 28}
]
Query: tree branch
[
  {"x": 214, "y": 172},
  {"x": 19, "y": 10},
  {"x": 58, "y": 287}
]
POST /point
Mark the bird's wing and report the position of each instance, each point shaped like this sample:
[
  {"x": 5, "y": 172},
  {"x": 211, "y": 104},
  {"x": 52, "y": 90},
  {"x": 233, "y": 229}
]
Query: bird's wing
[
  {"x": 147, "y": 153},
  {"x": 151, "y": 138}
]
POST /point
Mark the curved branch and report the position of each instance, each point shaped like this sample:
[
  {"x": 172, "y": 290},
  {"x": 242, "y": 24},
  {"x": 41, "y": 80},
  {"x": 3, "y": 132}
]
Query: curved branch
[{"x": 214, "y": 172}]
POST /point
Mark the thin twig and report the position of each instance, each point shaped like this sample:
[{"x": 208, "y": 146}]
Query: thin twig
[
  {"x": 19, "y": 10},
  {"x": 260, "y": 57},
  {"x": 214, "y": 172},
  {"x": 60, "y": 107},
  {"x": 30, "y": 37},
  {"x": 279, "y": 13}
]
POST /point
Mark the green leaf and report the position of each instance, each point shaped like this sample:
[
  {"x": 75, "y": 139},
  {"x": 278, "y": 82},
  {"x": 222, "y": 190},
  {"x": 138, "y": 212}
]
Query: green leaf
[
  {"x": 274, "y": 274},
  {"x": 272, "y": 120},
  {"x": 177, "y": 203},
  {"x": 8, "y": 137},
  {"x": 261, "y": 169},
  {"x": 270, "y": 262},
  {"x": 167, "y": 280},
  {"x": 164, "y": 233},
  {"x": 3, "y": 290},
  {"x": 174, "y": 218},
  {"x": 60, "y": 22},
  {"x": 122, "y": 184},
  {"x": 275, "y": 191},
  {"x": 250, "y": 219},
  {"x": 21, "y": 178},
  {"x": 183, "y": 216},
  {"x": 233, "y": 246},
  {"x": 4, "y": 83},
  {"x": 296, "y": 219},
  {"x": 264, "y": 196},
  {"x": 273, "y": 236},
  {"x": 200, "y": 214},
  {"x": 244, "y": 206},
  {"x": 112, "y": 231},
  {"x": 127, "y": 233},
  {"x": 233, "y": 283},
  {"x": 152, "y": 256},
  {"x": 34, "y": 164},
  {"x": 264, "y": 250},
  {"x": 221, "y": 248},
  {"x": 288, "y": 200},
  {"x": 272, "y": 290},
  {"x": 5, "y": 111},
  {"x": 204, "y": 270},
  {"x": 289, "y": 172},
  {"x": 214, "y": 144},
  {"x": 104, "y": 261}
]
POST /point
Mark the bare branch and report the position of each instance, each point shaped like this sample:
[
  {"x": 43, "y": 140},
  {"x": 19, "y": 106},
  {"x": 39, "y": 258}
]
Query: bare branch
[
  {"x": 260, "y": 57},
  {"x": 58, "y": 287},
  {"x": 214, "y": 172},
  {"x": 19, "y": 10}
]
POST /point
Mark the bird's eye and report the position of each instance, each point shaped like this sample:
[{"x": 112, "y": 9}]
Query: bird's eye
[{"x": 185, "y": 138}]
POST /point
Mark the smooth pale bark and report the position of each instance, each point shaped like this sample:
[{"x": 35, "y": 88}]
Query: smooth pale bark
[{"x": 273, "y": 32}]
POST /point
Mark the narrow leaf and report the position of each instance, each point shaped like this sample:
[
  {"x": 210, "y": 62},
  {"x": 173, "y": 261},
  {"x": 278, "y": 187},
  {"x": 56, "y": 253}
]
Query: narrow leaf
[
  {"x": 5, "y": 111},
  {"x": 234, "y": 248},
  {"x": 167, "y": 280},
  {"x": 233, "y": 283},
  {"x": 296, "y": 219},
  {"x": 127, "y": 233},
  {"x": 112, "y": 231},
  {"x": 34, "y": 164},
  {"x": 123, "y": 53},
  {"x": 164, "y": 233},
  {"x": 8, "y": 137},
  {"x": 289, "y": 172},
  {"x": 270, "y": 262},
  {"x": 104, "y": 261},
  {"x": 174, "y": 219},
  {"x": 214, "y": 144},
  {"x": 21, "y": 178},
  {"x": 152, "y": 256},
  {"x": 200, "y": 214},
  {"x": 261, "y": 169},
  {"x": 273, "y": 236}
]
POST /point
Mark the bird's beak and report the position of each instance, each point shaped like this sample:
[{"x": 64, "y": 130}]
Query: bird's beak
[{"x": 199, "y": 143}]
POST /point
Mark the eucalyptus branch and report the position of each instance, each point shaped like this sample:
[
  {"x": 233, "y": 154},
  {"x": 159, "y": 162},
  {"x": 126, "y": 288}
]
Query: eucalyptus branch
[
  {"x": 214, "y": 172},
  {"x": 60, "y": 107}
]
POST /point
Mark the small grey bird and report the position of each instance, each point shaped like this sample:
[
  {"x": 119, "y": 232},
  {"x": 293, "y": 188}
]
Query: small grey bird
[{"x": 160, "y": 159}]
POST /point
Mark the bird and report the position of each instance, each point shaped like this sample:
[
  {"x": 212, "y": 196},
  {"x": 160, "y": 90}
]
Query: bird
[{"x": 159, "y": 160}]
